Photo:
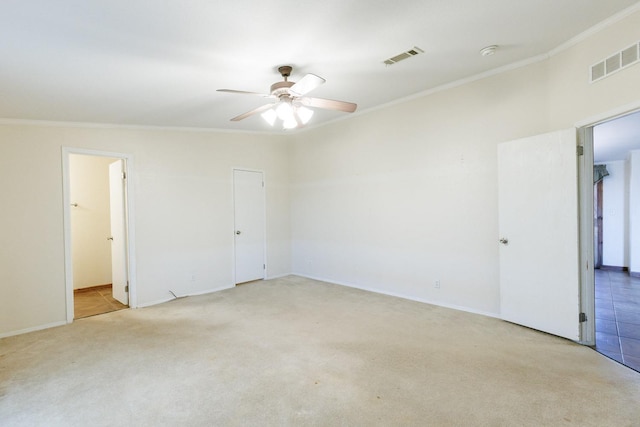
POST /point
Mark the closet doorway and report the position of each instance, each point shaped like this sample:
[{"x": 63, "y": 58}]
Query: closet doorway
[{"x": 96, "y": 232}]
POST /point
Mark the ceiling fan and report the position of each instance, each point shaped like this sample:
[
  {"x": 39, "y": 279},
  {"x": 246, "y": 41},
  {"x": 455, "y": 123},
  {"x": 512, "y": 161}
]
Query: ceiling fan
[{"x": 289, "y": 103}]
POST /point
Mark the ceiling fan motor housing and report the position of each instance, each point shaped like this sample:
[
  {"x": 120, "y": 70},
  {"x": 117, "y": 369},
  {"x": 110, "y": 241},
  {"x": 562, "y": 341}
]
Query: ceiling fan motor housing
[{"x": 281, "y": 88}]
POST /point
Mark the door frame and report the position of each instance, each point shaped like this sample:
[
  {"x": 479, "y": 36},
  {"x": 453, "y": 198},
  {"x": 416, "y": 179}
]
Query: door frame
[
  {"x": 233, "y": 209},
  {"x": 585, "y": 203},
  {"x": 129, "y": 213},
  {"x": 586, "y": 235}
]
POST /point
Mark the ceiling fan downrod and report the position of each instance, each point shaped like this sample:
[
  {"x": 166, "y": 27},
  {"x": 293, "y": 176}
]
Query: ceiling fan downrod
[{"x": 280, "y": 89}]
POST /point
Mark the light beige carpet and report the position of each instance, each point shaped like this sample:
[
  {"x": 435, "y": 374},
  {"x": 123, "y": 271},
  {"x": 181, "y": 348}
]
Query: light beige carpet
[{"x": 292, "y": 352}]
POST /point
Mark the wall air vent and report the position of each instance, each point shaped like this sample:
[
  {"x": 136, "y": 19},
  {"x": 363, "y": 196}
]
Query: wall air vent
[
  {"x": 629, "y": 55},
  {"x": 404, "y": 55},
  {"x": 597, "y": 71},
  {"x": 614, "y": 63}
]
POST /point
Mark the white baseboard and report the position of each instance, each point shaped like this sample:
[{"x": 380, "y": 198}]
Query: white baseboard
[
  {"x": 162, "y": 301},
  {"x": 209, "y": 291},
  {"x": 407, "y": 297},
  {"x": 279, "y": 276},
  {"x": 321, "y": 279},
  {"x": 33, "y": 329}
]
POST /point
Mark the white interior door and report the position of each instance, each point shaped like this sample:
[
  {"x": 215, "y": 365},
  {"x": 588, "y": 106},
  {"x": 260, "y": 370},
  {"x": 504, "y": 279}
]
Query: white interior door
[
  {"x": 249, "y": 219},
  {"x": 118, "y": 232},
  {"x": 538, "y": 208}
]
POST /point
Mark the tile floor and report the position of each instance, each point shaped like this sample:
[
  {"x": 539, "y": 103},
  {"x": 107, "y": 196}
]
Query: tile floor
[
  {"x": 95, "y": 300},
  {"x": 618, "y": 316}
]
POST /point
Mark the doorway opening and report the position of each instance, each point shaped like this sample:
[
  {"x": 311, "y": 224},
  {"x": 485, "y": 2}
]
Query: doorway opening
[
  {"x": 97, "y": 233},
  {"x": 616, "y": 228}
]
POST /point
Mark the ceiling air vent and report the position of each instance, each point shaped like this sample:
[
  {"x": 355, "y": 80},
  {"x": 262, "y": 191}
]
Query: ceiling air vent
[
  {"x": 614, "y": 63},
  {"x": 404, "y": 55}
]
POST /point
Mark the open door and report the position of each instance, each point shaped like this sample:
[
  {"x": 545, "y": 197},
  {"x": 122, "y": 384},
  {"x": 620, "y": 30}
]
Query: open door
[
  {"x": 119, "y": 271},
  {"x": 249, "y": 219},
  {"x": 538, "y": 209}
]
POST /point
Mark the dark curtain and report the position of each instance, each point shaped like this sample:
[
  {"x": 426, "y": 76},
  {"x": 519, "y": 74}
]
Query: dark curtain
[{"x": 599, "y": 172}]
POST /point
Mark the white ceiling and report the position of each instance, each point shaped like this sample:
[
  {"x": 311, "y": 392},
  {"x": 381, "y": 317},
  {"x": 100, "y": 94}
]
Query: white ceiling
[{"x": 158, "y": 63}]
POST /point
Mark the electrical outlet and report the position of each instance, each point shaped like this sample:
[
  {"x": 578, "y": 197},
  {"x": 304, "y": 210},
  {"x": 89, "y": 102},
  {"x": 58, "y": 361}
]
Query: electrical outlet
[{"x": 437, "y": 284}]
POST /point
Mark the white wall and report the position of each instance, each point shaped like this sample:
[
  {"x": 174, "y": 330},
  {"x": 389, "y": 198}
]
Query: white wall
[
  {"x": 615, "y": 237},
  {"x": 184, "y": 217},
  {"x": 90, "y": 220},
  {"x": 571, "y": 97},
  {"x": 634, "y": 211},
  {"x": 395, "y": 199},
  {"x": 389, "y": 200}
]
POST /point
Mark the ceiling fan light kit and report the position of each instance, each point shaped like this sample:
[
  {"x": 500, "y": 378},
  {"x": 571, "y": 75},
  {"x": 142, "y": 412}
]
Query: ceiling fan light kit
[
  {"x": 270, "y": 116},
  {"x": 291, "y": 106},
  {"x": 290, "y": 115}
]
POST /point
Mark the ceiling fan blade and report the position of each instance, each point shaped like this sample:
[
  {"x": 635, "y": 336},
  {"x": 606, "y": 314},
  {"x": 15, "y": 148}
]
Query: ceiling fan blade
[
  {"x": 243, "y": 92},
  {"x": 252, "y": 112},
  {"x": 299, "y": 121},
  {"x": 329, "y": 104},
  {"x": 306, "y": 84}
]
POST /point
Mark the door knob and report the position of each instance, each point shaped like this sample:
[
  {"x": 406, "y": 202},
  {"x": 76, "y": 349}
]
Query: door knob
[
  {"x": 109, "y": 238},
  {"x": 504, "y": 241},
  {"x": 238, "y": 232}
]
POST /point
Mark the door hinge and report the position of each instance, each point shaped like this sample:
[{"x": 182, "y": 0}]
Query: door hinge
[
  {"x": 264, "y": 266},
  {"x": 582, "y": 317},
  {"x": 124, "y": 175},
  {"x": 262, "y": 184},
  {"x": 580, "y": 150},
  {"x": 126, "y": 288}
]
